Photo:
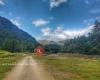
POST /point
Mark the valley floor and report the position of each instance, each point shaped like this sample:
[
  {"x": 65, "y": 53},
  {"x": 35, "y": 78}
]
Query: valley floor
[{"x": 51, "y": 67}]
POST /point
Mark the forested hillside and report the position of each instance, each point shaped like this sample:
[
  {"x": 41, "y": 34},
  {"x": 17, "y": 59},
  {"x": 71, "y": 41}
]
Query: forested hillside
[
  {"x": 85, "y": 44},
  {"x": 14, "y": 39}
]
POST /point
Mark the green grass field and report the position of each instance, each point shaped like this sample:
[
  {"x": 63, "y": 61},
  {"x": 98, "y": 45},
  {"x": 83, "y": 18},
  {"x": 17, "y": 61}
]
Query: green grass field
[
  {"x": 7, "y": 62},
  {"x": 61, "y": 67},
  {"x": 72, "y": 67}
]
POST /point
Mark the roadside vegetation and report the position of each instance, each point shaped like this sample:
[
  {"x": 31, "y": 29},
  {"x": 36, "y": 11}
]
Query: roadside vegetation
[
  {"x": 72, "y": 66},
  {"x": 7, "y": 62}
]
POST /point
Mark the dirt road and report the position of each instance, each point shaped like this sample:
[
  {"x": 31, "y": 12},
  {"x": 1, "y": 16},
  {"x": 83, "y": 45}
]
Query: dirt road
[{"x": 28, "y": 69}]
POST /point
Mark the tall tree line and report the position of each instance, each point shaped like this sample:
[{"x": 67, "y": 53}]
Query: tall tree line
[{"x": 85, "y": 44}]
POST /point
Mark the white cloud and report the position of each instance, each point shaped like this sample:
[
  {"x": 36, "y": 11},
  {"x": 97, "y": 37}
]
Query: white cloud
[
  {"x": 2, "y": 3},
  {"x": 62, "y": 34},
  {"x": 16, "y": 22},
  {"x": 58, "y": 30},
  {"x": 46, "y": 31},
  {"x": 40, "y": 22},
  {"x": 56, "y": 3},
  {"x": 75, "y": 33}
]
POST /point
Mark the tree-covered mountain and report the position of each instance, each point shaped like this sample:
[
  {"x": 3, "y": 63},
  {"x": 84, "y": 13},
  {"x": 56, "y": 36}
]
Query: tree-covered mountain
[
  {"x": 85, "y": 44},
  {"x": 52, "y": 47},
  {"x": 14, "y": 39}
]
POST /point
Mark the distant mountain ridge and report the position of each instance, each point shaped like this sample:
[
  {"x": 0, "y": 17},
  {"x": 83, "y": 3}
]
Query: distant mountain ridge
[
  {"x": 46, "y": 42},
  {"x": 14, "y": 39}
]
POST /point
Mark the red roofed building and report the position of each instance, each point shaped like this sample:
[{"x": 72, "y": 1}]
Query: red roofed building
[{"x": 39, "y": 51}]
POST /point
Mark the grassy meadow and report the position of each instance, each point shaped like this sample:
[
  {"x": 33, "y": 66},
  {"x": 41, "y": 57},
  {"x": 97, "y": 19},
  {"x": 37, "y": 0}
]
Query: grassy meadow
[
  {"x": 7, "y": 62},
  {"x": 72, "y": 67}
]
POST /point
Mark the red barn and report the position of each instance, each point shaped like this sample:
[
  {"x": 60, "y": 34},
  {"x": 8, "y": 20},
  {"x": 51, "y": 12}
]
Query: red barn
[{"x": 39, "y": 51}]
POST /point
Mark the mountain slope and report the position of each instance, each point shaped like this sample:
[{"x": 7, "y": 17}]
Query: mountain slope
[{"x": 14, "y": 39}]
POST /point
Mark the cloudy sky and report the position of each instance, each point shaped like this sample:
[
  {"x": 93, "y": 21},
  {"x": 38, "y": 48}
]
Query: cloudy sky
[{"x": 52, "y": 19}]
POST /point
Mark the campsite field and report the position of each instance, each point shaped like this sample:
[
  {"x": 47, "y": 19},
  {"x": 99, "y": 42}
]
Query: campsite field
[
  {"x": 7, "y": 62},
  {"x": 72, "y": 67}
]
